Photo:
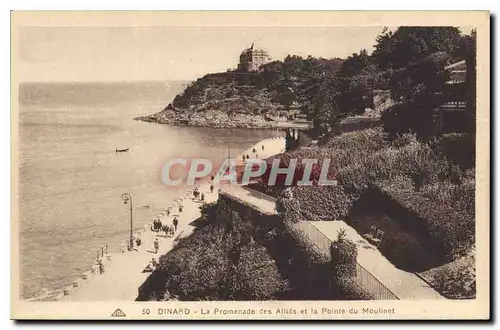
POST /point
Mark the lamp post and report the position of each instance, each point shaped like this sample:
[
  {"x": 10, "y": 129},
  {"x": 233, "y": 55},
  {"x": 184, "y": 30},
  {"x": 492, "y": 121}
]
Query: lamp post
[{"x": 127, "y": 199}]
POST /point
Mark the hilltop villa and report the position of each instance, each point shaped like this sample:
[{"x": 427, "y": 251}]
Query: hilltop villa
[{"x": 251, "y": 59}]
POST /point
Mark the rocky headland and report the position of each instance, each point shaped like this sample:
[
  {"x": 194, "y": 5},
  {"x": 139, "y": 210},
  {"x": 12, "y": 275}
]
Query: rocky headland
[
  {"x": 229, "y": 99},
  {"x": 279, "y": 94}
]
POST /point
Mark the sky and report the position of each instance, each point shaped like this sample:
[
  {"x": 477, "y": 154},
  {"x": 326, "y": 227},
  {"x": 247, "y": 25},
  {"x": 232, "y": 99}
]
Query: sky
[{"x": 141, "y": 53}]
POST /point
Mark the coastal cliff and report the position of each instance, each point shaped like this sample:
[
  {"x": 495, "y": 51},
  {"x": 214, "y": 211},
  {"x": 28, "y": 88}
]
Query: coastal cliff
[{"x": 275, "y": 96}]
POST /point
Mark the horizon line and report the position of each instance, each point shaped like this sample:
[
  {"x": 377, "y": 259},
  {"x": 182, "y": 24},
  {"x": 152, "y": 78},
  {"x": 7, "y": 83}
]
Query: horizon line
[{"x": 101, "y": 81}]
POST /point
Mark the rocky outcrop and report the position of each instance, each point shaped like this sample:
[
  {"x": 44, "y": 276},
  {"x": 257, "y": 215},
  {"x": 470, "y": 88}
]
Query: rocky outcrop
[{"x": 225, "y": 100}]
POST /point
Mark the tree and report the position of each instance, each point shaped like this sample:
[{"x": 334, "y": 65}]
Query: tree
[
  {"x": 470, "y": 50},
  {"x": 410, "y": 45},
  {"x": 220, "y": 261},
  {"x": 255, "y": 276},
  {"x": 421, "y": 83},
  {"x": 357, "y": 79},
  {"x": 344, "y": 254},
  {"x": 288, "y": 207}
]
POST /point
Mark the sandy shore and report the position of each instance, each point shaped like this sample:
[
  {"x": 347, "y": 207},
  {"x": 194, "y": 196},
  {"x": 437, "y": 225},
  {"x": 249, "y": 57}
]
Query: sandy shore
[{"x": 123, "y": 272}]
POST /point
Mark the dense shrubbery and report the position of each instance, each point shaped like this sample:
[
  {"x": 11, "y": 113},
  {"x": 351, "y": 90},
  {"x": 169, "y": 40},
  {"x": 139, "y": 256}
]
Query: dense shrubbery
[
  {"x": 455, "y": 280},
  {"x": 220, "y": 261},
  {"x": 409, "y": 171},
  {"x": 459, "y": 148},
  {"x": 343, "y": 267},
  {"x": 288, "y": 207},
  {"x": 404, "y": 251},
  {"x": 368, "y": 140},
  {"x": 324, "y": 202},
  {"x": 447, "y": 211},
  {"x": 403, "y": 118},
  {"x": 344, "y": 254}
]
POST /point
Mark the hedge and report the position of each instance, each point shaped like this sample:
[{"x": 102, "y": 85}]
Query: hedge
[
  {"x": 220, "y": 261},
  {"x": 439, "y": 192}
]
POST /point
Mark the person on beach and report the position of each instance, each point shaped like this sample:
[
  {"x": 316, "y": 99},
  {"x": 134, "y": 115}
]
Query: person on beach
[
  {"x": 167, "y": 212},
  {"x": 171, "y": 231},
  {"x": 248, "y": 157},
  {"x": 211, "y": 188},
  {"x": 175, "y": 223},
  {"x": 212, "y": 177},
  {"x": 150, "y": 267},
  {"x": 101, "y": 266},
  {"x": 202, "y": 197},
  {"x": 180, "y": 207},
  {"x": 138, "y": 241},
  {"x": 253, "y": 150},
  {"x": 262, "y": 147},
  {"x": 156, "y": 245}
]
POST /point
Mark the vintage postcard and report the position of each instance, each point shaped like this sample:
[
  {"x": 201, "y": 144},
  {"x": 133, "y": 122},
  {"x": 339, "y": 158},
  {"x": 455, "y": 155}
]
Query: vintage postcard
[{"x": 250, "y": 165}]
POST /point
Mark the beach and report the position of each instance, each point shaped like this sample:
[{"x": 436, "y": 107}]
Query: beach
[
  {"x": 123, "y": 271},
  {"x": 71, "y": 178}
]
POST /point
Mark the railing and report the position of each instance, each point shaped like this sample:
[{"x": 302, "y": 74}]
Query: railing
[
  {"x": 261, "y": 195},
  {"x": 368, "y": 283},
  {"x": 363, "y": 278},
  {"x": 315, "y": 236}
]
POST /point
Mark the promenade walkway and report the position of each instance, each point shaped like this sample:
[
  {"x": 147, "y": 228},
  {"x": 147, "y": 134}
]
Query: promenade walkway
[
  {"x": 123, "y": 273},
  {"x": 261, "y": 202}
]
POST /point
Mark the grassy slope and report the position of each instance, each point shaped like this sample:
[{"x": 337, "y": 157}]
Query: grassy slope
[{"x": 454, "y": 280}]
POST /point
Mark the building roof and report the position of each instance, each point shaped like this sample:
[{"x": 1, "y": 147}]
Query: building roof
[
  {"x": 254, "y": 50},
  {"x": 457, "y": 65},
  {"x": 457, "y": 72}
]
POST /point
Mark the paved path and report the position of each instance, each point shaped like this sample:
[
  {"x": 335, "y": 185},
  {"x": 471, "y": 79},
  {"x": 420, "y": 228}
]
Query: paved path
[
  {"x": 123, "y": 273},
  {"x": 261, "y": 202},
  {"x": 272, "y": 146},
  {"x": 403, "y": 284}
]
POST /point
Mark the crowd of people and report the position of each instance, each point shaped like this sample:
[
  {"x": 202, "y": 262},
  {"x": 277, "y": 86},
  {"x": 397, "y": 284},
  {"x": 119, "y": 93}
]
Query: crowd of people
[
  {"x": 169, "y": 231},
  {"x": 158, "y": 226}
]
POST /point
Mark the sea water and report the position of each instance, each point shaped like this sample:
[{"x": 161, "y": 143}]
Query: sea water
[{"x": 71, "y": 179}]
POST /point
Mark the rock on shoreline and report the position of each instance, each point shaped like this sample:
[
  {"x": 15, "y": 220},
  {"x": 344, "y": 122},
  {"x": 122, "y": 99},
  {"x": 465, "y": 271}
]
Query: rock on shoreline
[{"x": 214, "y": 118}]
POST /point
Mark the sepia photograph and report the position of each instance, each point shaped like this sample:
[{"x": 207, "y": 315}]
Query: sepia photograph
[{"x": 314, "y": 169}]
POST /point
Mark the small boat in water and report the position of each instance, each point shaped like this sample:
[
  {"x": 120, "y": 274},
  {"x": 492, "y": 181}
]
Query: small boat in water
[{"x": 122, "y": 150}]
